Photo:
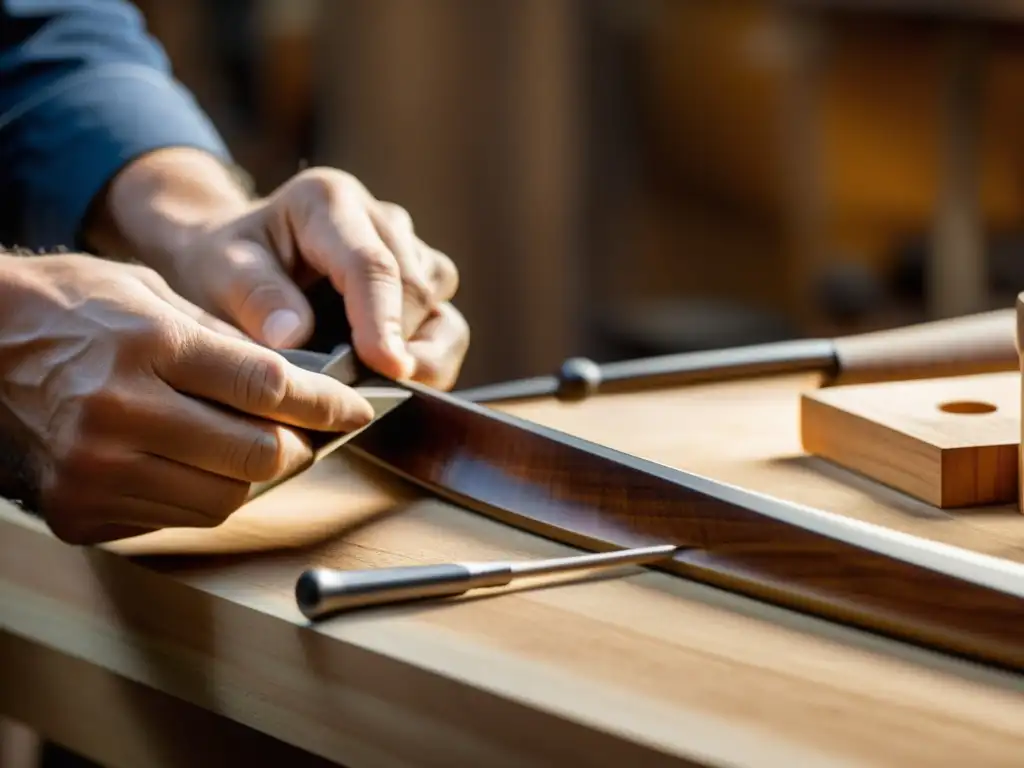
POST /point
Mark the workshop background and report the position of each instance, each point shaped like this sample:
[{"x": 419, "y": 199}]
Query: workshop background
[{"x": 621, "y": 178}]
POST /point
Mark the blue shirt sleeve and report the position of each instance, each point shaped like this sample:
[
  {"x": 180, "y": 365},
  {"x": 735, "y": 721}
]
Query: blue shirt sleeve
[{"x": 84, "y": 90}]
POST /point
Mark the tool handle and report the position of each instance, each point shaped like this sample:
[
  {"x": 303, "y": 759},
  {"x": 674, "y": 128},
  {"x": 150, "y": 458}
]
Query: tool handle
[
  {"x": 321, "y": 590},
  {"x": 981, "y": 343},
  {"x": 580, "y": 377}
]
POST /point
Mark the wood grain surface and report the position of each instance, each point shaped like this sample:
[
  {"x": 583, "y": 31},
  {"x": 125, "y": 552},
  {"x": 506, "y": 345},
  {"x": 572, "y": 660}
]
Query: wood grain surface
[
  {"x": 950, "y": 442},
  {"x": 644, "y": 668},
  {"x": 582, "y": 494}
]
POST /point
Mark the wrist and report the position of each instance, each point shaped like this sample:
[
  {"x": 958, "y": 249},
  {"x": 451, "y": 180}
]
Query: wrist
[{"x": 155, "y": 208}]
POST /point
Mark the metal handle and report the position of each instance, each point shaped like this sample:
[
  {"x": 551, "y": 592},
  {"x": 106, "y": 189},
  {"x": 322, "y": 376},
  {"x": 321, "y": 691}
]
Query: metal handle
[{"x": 321, "y": 590}]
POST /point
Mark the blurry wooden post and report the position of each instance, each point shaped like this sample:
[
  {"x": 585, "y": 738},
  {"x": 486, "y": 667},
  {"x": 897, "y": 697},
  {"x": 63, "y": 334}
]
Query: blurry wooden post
[
  {"x": 805, "y": 161},
  {"x": 957, "y": 277},
  {"x": 469, "y": 115},
  {"x": 184, "y": 30},
  {"x": 283, "y": 30},
  {"x": 957, "y": 281}
]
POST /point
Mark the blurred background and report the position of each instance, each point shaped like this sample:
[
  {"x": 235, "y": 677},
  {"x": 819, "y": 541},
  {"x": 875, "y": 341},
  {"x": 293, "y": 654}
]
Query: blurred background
[{"x": 620, "y": 178}]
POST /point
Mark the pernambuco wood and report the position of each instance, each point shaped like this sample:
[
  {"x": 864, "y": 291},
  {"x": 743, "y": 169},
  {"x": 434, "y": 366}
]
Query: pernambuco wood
[{"x": 588, "y": 495}]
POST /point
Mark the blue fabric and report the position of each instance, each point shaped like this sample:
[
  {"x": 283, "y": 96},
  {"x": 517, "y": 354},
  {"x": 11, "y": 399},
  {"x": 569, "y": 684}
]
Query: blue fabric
[{"x": 84, "y": 89}]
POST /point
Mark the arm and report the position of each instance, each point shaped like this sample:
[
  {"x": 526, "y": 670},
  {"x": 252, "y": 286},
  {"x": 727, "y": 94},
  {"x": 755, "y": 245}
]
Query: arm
[
  {"x": 101, "y": 150},
  {"x": 84, "y": 92}
]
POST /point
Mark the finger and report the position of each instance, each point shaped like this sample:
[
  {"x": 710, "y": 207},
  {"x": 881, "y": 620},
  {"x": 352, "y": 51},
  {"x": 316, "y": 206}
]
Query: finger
[
  {"x": 259, "y": 382},
  {"x": 443, "y": 276},
  {"x": 163, "y": 291},
  {"x": 342, "y": 240},
  {"x": 204, "y": 438},
  {"x": 255, "y": 293},
  {"x": 198, "y": 498},
  {"x": 396, "y": 231},
  {"x": 139, "y": 513},
  {"x": 210, "y": 495},
  {"x": 100, "y": 517},
  {"x": 440, "y": 347}
]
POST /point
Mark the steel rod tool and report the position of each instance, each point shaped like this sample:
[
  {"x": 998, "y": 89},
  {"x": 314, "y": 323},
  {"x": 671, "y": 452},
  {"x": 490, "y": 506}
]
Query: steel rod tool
[{"x": 323, "y": 591}]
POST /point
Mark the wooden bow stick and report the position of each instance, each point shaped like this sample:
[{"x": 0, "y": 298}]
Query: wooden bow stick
[{"x": 597, "y": 498}]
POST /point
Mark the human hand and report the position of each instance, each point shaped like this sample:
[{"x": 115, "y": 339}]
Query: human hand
[
  {"x": 135, "y": 410},
  {"x": 247, "y": 264}
]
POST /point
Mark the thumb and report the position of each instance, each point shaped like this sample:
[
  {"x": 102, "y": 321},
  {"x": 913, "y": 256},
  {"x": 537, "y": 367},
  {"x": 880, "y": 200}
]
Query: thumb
[{"x": 256, "y": 294}]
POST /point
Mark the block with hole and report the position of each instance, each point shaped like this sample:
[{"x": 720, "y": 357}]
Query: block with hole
[{"x": 951, "y": 442}]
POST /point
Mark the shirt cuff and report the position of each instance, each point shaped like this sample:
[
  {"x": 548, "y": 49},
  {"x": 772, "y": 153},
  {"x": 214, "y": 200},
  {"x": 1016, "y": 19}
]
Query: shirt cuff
[{"x": 90, "y": 125}]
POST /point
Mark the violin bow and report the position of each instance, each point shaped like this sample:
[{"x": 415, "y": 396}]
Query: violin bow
[{"x": 594, "y": 497}]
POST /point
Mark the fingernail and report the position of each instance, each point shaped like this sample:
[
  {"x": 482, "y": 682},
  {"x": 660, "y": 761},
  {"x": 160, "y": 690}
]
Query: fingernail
[{"x": 281, "y": 327}]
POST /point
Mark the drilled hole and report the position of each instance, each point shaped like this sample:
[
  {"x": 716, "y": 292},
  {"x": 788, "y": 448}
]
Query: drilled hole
[{"x": 967, "y": 407}]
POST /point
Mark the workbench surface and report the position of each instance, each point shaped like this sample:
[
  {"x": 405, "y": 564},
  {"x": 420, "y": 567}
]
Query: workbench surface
[{"x": 156, "y": 660}]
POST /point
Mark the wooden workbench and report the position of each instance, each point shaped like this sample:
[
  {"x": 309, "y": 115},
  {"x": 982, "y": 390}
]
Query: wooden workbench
[{"x": 206, "y": 661}]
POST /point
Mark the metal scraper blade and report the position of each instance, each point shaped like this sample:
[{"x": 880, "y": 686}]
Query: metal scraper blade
[{"x": 383, "y": 399}]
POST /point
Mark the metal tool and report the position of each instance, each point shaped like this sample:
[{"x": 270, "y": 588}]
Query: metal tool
[
  {"x": 323, "y": 591},
  {"x": 341, "y": 364},
  {"x": 980, "y": 343},
  {"x": 580, "y": 378}
]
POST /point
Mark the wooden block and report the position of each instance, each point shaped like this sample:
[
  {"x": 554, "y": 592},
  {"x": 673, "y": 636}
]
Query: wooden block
[{"x": 951, "y": 442}]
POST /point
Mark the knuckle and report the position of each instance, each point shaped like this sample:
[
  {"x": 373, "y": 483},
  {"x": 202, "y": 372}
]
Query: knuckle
[
  {"x": 320, "y": 185},
  {"x": 99, "y": 411},
  {"x": 396, "y": 216},
  {"x": 150, "y": 337},
  {"x": 376, "y": 264},
  {"x": 417, "y": 291},
  {"x": 446, "y": 275},
  {"x": 326, "y": 183},
  {"x": 259, "y": 457},
  {"x": 261, "y": 383}
]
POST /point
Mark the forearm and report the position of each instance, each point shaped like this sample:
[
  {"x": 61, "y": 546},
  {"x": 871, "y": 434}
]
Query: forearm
[
  {"x": 153, "y": 207},
  {"x": 84, "y": 93}
]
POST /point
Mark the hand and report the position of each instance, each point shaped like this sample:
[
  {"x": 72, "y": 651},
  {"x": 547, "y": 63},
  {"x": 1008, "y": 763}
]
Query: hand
[
  {"x": 246, "y": 264},
  {"x": 135, "y": 410}
]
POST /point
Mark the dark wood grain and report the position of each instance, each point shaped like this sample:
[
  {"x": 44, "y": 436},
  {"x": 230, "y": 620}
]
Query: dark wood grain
[{"x": 597, "y": 498}]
